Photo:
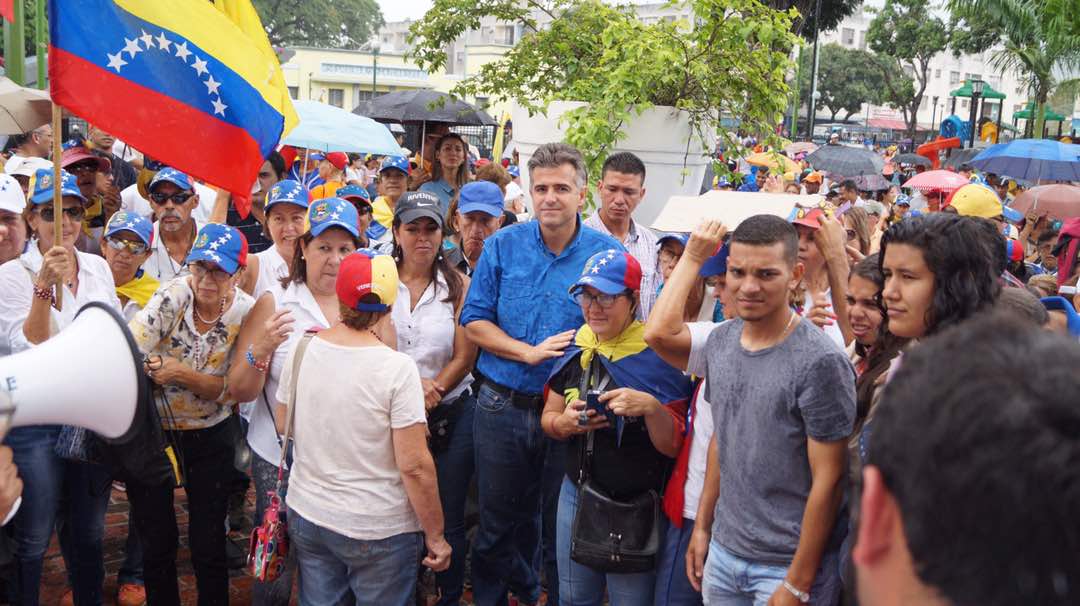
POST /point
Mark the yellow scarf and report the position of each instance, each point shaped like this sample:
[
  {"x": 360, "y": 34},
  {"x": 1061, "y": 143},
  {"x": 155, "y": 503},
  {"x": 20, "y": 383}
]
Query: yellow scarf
[
  {"x": 382, "y": 213},
  {"x": 630, "y": 341},
  {"x": 140, "y": 289}
]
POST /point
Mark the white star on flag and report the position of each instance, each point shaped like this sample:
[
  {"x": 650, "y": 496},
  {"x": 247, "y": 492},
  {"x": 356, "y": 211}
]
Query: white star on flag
[
  {"x": 214, "y": 245},
  {"x": 219, "y": 107},
  {"x": 163, "y": 42},
  {"x": 147, "y": 39},
  {"x": 611, "y": 254},
  {"x": 596, "y": 270},
  {"x": 335, "y": 215},
  {"x": 116, "y": 61},
  {"x": 131, "y": 46},
  {"x": 212, "y": 85},
  {"x": 227, "y": 236},
  {"x": 199, "y": 66},
  {"x": 129, "y": 224},
  {"x": 213, "y": 256},
  {"x": 182, "y": 51},
  {"x": 602, "y": 262}
]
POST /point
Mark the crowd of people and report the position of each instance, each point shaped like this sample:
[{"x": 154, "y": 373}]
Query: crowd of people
[{"x": 872, "y": 400}]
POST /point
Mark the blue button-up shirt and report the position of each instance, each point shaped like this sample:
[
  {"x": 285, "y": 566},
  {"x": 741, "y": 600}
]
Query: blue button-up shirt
[
  {"x": 522, "y": 287},
  {"x": 442, "y": 190}
]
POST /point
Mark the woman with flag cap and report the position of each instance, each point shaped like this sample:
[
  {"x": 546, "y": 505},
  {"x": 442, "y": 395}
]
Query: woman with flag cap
[
  {"x": 55, "y": 489},
  {"x": 393, "y": 182},
  {"x": 363, "y": 499},
  {"x": 188, "y": 331},
  {"x": 621, "y": 410},
  {"x": 305, "y": 299},
  {"x": 286, "y": 213}
]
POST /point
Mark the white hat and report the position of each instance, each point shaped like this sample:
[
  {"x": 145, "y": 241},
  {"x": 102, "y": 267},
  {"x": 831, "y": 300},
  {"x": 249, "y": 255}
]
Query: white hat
[
  {"x": 25, "y": 166},
  {"x": 513, "y": 192},
  {"x": 12, "y": 197}
]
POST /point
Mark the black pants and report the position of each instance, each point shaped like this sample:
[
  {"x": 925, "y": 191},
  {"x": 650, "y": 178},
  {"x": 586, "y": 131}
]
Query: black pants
[{"x": 207, "y": 470}]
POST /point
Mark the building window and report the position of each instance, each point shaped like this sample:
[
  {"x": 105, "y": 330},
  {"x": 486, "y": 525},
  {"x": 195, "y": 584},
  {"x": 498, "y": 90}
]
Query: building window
[
  {"x": 294, "y": 92},
  {"x": 964, "y": 103},
  {"x": 336, "y": 97},
  {"x": 862, "y": 39},
  {"x": 937, "y": 74},
  {"x": 847, "y": 36},
  {"x": 954, "y": 77}
]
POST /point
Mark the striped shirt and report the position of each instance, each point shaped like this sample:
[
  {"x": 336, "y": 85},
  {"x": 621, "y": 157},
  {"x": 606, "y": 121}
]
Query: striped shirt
[{"x": 643, "y": 244}]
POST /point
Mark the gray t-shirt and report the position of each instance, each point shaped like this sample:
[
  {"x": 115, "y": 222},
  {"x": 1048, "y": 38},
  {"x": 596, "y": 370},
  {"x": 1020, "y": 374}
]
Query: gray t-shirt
[{"x": 765, "y": 405}]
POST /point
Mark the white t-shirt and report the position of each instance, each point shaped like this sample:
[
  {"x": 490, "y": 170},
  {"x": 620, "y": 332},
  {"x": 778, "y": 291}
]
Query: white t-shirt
[
  {"x": 426, "y": 332},
  {"x": 159, "y": 264},
  {"x": 132, "y": 202},
  {"x": 272, "y": 268},
  {"x": 700, "y": 436},
  {"x": 344, "y": 476},
  {"x": 833, "y": 331}
]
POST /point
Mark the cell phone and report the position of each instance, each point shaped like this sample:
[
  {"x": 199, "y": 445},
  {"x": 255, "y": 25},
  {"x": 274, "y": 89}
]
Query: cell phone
[{"x": 592, "y": 401}]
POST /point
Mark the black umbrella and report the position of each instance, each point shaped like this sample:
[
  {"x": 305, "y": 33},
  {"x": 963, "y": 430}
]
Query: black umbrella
[
  {"x": 423, "y": 106},
  {"x": 872, "y": 182},
  {"x": 844, "y": 160},
  {"x": 912, "y": 159},
  {"x": 961, "y": 156}
]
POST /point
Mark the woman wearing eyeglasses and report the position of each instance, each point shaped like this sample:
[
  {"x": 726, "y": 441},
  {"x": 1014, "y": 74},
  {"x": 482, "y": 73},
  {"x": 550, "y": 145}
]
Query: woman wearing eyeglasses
[
  {"x": 621, "y": 411},
  {"x": 54, "y": 488},
  {"x": 188, "y": 331}
]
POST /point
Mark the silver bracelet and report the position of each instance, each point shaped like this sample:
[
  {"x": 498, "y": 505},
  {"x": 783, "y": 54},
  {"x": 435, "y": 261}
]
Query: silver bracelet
[{"x": 802, "y": 596}]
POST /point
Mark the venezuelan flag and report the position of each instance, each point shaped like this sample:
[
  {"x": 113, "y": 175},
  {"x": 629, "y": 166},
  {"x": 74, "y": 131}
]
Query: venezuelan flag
[{"x": 179, "y": 80}]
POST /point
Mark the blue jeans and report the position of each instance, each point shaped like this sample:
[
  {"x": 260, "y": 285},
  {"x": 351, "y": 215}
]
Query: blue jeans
[
  {"x": 732, "y": 581},
  {"x": 62, "y": 494},
  {"x": 584, "y": 586},
  {"x": 336, "y": 570},
  {"x": 454, "y": 467},
  {"x": 277, "y": 592},
  {"x": 673, "y": 587},
  {"x": 517, "y": 471}
]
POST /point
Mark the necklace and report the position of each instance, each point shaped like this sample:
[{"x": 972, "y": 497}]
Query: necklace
[
  {"x": 376, "y": 335},
  {"x": 199, "y": 316}
]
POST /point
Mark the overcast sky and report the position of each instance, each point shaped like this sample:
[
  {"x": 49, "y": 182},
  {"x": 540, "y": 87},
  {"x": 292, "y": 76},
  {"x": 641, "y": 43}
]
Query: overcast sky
[{"x": 399, "y": 10}]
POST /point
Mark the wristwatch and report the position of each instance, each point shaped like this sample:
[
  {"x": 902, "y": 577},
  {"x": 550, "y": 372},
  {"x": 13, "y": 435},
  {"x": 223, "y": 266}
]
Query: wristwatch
[{"x": 802, "y": 596}]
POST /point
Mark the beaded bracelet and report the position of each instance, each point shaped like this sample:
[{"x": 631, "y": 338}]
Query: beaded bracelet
[
  {"x": 45, "y": 294},
  {"x": 257, "y": 365}
]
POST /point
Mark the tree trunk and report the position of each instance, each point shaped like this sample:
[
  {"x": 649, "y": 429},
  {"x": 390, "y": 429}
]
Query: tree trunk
[{"x": 1041, "y": 95}]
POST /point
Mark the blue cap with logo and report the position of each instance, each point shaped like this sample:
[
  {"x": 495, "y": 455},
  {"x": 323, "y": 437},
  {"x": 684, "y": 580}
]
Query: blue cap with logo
[
  {"x": 171, "y": 175},
  {"x": 137, "y": 224},
  {"x": 483, "y": 196},
  {"x": 222, "y": 245},
  {"x": 514, "y": 170},
  {"x": 353, "y": 192},
  {"x": 680, "y": 238},
  {"x": 333, "y": 212},
  {"x": 42, "y": 186},
  {"x": 611, "y": 272},
  {"x": 395, "y": 162},
  {"x": 715, "y": 265},
  {"x": 288, "y": 191}
]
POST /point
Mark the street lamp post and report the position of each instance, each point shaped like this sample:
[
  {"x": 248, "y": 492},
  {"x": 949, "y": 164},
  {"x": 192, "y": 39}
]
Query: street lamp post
[
  {"x": 933, "y": 116},
  {"x": 375, "y": 47},
  {"x": 976, "y": 94},
  {"x": 814, "y": 94}
]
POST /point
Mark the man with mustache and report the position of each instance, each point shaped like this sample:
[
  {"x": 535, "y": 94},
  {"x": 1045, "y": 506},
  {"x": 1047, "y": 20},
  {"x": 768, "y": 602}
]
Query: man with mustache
[
  {"x": 172, "y": 194},
  {"x": 479, "y": 214}
]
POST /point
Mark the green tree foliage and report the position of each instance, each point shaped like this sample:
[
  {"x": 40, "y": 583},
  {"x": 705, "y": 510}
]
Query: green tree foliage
[
  {"x": 906, "y": 35},
  {"x": 731, "y": 61},
  {"x": 832, "y": 13},
  {"x": 325, "y": 23},
  {"x": 847, "y": 78},
  {"x": 1039, "y": 40}
]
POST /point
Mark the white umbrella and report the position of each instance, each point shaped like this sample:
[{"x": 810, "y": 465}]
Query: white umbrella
[{"x": 22, "y": 109}]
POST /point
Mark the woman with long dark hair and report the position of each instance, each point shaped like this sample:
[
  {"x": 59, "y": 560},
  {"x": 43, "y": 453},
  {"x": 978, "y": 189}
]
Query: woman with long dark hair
[{"x": 449, "y": 171}]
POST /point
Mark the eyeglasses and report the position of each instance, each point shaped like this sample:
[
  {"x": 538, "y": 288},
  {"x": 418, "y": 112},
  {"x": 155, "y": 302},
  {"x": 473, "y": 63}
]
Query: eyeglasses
[
  {"x": 75, "y": 213},
  {"x": 178, "y": 198},
  {"x": 82, "y": 168},
  {"x": 666, "y": 256},
  {"x": 201, "y": 270},
  {"x": 135, "y": 248},
  {"x": 605, "y": 301}
]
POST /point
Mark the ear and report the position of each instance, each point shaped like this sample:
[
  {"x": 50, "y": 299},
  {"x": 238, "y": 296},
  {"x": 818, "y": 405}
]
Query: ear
[
  {"x": 581, "y": 198},
  {"x": 878, "y": 519},
  {"x": 797, "y": 273},
  {"x": 194, "y": 201}
]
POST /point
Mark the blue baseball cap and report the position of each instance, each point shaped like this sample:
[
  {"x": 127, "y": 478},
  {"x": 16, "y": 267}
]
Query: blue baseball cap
[
  {"x": 171, "y": 175},
  {"x": 483, "y": 196},
  {"x": 395, "y": 162},
  {"x": 42, "y": 186},
  {"x": 1011, "y": 214},
  {"x": 611, "y": 272},
  {"x": 136, "y": 224},
  {"x": 222, "y": 245},
  {"x": 333, "y": 212},
  {"x": 680, "y": 238},
  {"x": 288, "y": 191},
  {"x": 352, "y": 192},
  {"x": 513, "y": 170},
  {"x": 1058, "y": 303},
  {"x": 715, "y": 265}
]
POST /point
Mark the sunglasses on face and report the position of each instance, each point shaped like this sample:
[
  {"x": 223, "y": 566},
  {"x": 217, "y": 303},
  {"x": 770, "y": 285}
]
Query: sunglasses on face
[
  {"x": 605, "y": 301},
  {"x": 83, "y": 168},
  {"x": 75, "y": 213},
  {"x": 135, "y": 248},
  {"x": 178, "y": 198}
]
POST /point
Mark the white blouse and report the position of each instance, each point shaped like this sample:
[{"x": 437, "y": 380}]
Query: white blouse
[{"x": 426, "y": 332}]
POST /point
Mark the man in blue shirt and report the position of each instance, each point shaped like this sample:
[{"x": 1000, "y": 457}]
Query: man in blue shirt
[{"x": 518, "y": 311}]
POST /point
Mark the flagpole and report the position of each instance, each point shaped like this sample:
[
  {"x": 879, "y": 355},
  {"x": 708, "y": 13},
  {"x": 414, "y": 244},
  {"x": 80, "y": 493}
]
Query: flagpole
[
  {"x": 14, "y": 39},
  {"x": 58, "y": 200},
  {"x": 39, "y": 38}
]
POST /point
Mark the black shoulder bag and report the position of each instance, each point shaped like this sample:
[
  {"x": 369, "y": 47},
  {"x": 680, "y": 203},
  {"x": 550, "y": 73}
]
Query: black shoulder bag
[{"x": 610, "y": 535}]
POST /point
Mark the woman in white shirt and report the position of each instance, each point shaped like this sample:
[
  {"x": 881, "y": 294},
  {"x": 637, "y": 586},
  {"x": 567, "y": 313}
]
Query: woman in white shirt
[
  {"x": 304, "y": 300},
  {"x": 430, "y": 294},
  {"x": 286, "y": 210},
  {"x": 54, "y": 488},
  {"x": 363, "y": 483}
]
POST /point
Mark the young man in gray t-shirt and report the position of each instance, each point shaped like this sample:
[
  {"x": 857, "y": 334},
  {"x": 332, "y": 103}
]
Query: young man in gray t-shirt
[{"x": 783, "y": 404}]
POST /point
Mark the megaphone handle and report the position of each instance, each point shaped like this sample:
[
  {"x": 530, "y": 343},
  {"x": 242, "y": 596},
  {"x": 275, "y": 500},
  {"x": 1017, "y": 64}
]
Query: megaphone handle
[{"x": 14, "y": 510}]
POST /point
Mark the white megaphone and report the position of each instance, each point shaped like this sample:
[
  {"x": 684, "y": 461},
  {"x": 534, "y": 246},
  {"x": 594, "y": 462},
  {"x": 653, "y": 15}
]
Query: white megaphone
[{"x": 89, "y": 375}]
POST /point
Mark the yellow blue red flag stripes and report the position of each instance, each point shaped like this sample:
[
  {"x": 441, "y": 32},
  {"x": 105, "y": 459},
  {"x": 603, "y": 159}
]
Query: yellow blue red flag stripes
[{"x": 178, "y": 80}]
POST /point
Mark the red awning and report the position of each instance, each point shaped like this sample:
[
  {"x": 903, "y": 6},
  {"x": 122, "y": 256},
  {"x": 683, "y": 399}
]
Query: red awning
[{"x": 887, "y": 123}]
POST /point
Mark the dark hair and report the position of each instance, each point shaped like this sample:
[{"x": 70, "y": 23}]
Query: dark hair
[
  {"x": 1047, "y": 236},
  {"x": 361, "y": 320},
  {"x": 462, "y": 175},
  {"x": 955, "y": 250},
  {"x": 277, "y": 163},
  {"x": 766, "y": 230},
  {"x": 849, "y": 185},
  {"x": 454, "y": 283},
  {"x": 880, "y": 355},
  {"x": 975, "y": 439},
  {"x": 1021, "y": 303},
  {"x": 965, "y": 167},
  {"x": 624, "y": 162},
  {"x": 298, "y": 265}
]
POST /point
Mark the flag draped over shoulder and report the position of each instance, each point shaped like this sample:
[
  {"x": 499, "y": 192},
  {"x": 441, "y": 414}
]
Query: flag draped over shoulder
[{"x": 180, "y": 81}]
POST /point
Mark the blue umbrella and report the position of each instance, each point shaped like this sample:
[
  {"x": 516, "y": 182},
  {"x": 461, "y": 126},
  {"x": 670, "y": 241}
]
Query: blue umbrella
[
  {"x": 1031, "y": 160},
  {"x": 327, "y": 128}
]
